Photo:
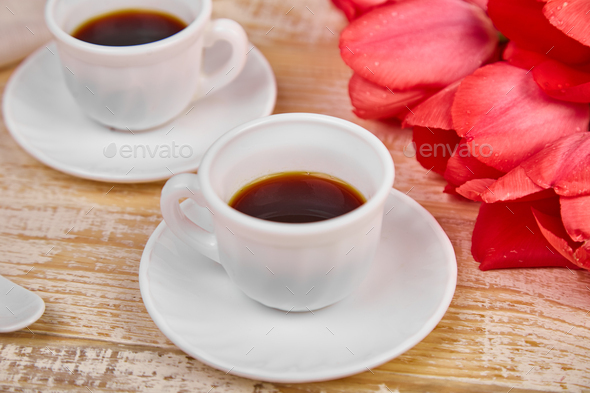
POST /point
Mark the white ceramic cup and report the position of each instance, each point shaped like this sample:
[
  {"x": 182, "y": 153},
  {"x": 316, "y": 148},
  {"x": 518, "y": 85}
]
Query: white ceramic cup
[
  {"x": 292, "y": 267},
  {"x": 143, "y": 86}
]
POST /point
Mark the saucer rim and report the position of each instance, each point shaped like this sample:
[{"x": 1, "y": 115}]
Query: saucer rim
[
  {"x": 326, "y": 375},
  {"x": 12, "y": 126}
]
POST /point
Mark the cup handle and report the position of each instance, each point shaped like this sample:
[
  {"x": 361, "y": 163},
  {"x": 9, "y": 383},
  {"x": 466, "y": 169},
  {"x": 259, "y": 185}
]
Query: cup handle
[
  {"x": 230, "y": 31},
  {"x": 186, "y": 185}
]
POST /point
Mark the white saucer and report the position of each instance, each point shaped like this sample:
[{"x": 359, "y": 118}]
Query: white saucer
[
  {"x": 193, "y": 302},
  {"x": 42, "y": 116}
]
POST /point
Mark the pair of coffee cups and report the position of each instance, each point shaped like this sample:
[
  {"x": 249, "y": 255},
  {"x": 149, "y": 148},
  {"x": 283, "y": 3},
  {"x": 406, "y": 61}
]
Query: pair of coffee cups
[{"x": 291, "y": 267}]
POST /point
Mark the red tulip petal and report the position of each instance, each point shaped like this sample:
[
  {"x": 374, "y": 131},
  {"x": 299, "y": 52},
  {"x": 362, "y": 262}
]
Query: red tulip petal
[
  {"x": 570, "y": 17},
  {"x": 368, "y": 3},
  {"x": 555, "y": 78},
  {"x": 436, "y": 111},
  {"x": 347, "y": 7},
  {"x": 421, "y": 43},
  {"x": 452, "y": 190},
  {"x": 473, "y": 189},
  {"x": 563, "y": 82},
  {"x": 552, "y": 229},
  {"x": 521, "y": 58},
  {"x": 355, "y": 8},
  {"x": 462, "y": 169},
  {"x": 514, "y": 185},
  {"x": 563, "y": 166},
  {"x": 523, "y": 22},
  {"x": 506, "y": 235},
  {"x": 582, "y": 256},
  {"x": 464, "y": 165},
  {"x": 483, "y": 4},
  {"x": 372, "y": 101},
  {"x": 575, "y": 213},
  {"x": 500, "y": 106},
  {"x": 432, "y": 147}
]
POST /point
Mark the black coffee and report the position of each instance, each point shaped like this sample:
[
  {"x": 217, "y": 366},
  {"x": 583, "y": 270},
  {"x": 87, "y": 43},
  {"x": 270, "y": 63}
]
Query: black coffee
[
  {"x": 128, "y": 27},
  {"x": 297, "y": 197}
]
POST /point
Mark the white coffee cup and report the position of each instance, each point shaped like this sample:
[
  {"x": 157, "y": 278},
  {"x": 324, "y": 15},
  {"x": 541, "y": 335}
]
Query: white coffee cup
[
  {"x": 143, "y": 86},
  {"x": 292, "y": 267}
]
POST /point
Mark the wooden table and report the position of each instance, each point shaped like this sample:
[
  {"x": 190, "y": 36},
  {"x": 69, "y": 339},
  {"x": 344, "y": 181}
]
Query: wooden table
[{"x": 524, "y": 330}]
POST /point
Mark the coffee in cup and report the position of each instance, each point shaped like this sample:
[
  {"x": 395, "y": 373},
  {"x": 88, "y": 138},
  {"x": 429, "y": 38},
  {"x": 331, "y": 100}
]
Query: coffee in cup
[
  {"x": 297, "y": 197},
  {"x": 129, "y": 27}
]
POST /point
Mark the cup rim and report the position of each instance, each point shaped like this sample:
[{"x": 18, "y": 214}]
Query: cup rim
[
  {"x": 313, "y": 228},
  {"x": 131, "y": 50}
]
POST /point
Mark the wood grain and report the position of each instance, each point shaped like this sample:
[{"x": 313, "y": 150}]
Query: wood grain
[{"x": 525, "y": 330}]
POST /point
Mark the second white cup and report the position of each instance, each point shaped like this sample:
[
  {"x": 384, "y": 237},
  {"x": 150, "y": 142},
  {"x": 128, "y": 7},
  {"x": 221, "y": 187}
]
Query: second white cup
[{"x": 292, "y": 267}]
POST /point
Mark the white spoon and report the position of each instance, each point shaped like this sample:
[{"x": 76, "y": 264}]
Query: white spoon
[{"x": 19, "y": 307}]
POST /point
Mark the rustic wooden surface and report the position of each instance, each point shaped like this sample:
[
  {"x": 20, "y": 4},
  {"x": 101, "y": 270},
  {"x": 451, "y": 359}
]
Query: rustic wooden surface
[{"x": 512, "y": 330}]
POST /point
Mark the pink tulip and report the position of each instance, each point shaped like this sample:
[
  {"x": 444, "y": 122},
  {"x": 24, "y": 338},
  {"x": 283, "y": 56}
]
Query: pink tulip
[{"x": 413, "y": 48}]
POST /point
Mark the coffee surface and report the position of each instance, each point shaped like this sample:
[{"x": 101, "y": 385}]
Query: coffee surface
[
  {"x": 128, "y": 27},
  {"x": 297, "y": 197}
]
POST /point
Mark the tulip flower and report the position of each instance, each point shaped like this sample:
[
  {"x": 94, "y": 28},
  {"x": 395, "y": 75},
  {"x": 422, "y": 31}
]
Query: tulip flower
[
  {"x": 539, "y": 212},
  {"x": 500, "y": 115},
  {"x": 510, "y": 134},
  {"x": 501, "y": 105},
  {"x": 412, "y": 49},
  {"x": 552, "y": 39}
]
